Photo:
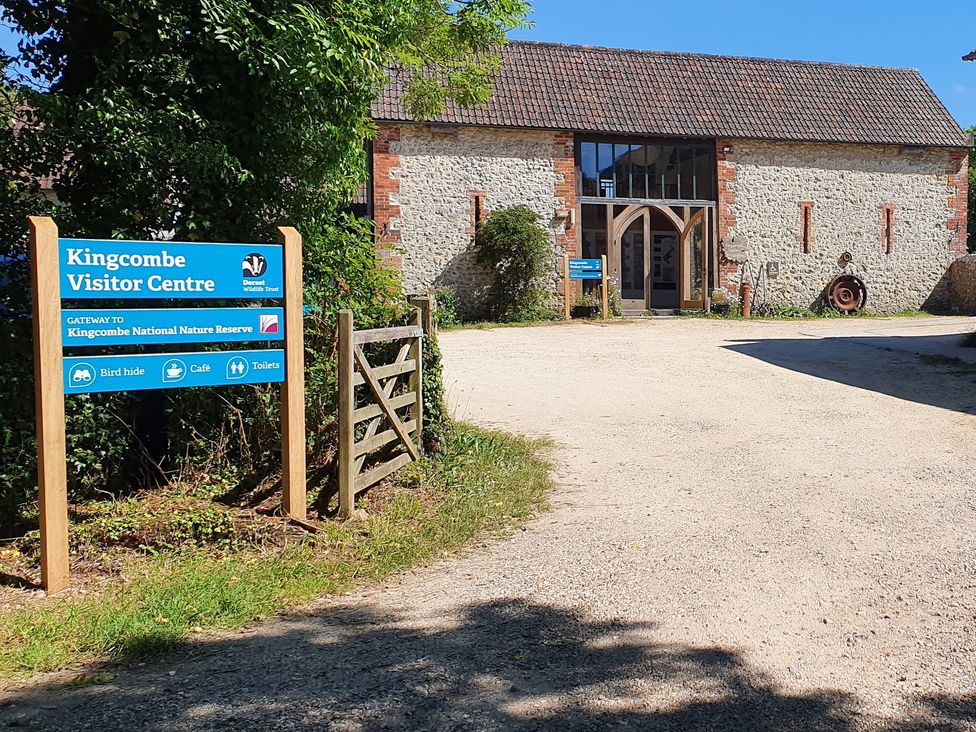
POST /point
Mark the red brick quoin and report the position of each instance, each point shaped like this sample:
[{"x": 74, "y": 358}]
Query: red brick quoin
[
  {"x": 806, "y": 236},
  {"x": 565, "y": 162},
  {"x": 386, "y": 186},
  {"x": 564, "y": 156},
  {"x": 477, "y": 210},
  {"x": 958, "y": 170},
  {"x": 725, "y": 176},
  {"x": 888, "y": 228}
]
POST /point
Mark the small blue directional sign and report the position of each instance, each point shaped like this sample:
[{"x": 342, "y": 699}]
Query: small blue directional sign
[
  {"x": 585, "y": 269},
  {"x": 135, "y": 372},
  {"x": 176, "y": 325},
  {"x": 114, "y": 269}
]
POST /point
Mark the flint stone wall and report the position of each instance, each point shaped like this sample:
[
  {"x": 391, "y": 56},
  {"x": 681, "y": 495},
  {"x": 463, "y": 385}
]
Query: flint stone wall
[
  {"x": 849, "y": 187},
  {"x": 438, "y": 174}
]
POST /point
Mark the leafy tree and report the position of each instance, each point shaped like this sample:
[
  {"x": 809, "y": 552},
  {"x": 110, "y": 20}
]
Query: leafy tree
[
  {"x": 518, "y": 251},
  {"x": 211, "y": 121},
  {"x": 219, "y": 119}
]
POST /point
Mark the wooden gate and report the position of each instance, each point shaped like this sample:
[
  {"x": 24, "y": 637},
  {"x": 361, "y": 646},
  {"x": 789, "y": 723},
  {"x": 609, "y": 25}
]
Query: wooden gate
[{"x": 379, "y": 411}]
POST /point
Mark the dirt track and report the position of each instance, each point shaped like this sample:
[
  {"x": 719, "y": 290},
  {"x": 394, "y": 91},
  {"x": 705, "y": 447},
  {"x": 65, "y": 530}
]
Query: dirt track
[{"x": 759, "y": 526}]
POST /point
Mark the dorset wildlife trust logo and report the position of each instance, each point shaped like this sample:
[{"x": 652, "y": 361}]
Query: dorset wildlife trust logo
[{"x": 254, "y": 265}]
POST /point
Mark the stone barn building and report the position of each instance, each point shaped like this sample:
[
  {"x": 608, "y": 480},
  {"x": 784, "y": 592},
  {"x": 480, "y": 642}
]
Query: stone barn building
[{"x": 688, "y": 171}]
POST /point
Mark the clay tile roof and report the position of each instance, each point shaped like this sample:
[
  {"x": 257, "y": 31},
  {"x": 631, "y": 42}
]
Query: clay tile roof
[{"x": 607, "y": 90}]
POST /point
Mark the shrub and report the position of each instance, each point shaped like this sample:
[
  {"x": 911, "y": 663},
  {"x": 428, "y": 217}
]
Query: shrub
[
  {"x": 588, "y": 300},
  {"x": 519, "y": 252},
  {"x": 447, "y": 311},
  {"x": 613, "y": 297}
]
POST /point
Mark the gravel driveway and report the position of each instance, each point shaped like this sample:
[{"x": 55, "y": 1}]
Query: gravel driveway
[{"x": 759, "y": 526}]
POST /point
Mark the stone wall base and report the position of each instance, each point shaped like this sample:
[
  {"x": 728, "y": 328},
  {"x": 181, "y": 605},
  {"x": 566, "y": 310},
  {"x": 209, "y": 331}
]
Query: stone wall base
[{"x": 960, "y": 287}]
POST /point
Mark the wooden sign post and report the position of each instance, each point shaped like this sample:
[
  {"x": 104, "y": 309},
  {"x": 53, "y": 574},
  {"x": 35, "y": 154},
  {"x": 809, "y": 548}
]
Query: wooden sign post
[
  {"x": 294, "y": 501},
  {"x": 52, "y": 480},
  {"x": 586, "y": 269},
  {"x": 99, "y": 269},
  {"x": 566, "y": 284},
  {"x": 603, "y": 286}
]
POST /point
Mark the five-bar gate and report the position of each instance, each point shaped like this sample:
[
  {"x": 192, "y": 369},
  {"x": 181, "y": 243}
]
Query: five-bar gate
[{"x": 376, "y": 422}]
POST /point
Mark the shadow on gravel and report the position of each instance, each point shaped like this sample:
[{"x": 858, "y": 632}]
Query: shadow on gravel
[
  {"x": 885, "y": 364},
  {"x": 502, "y": 665}
]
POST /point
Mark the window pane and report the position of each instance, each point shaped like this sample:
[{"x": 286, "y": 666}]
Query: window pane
[
  {"x": 652, "y": 163},
  {"x": 594, "y": 220},
  {"x": 622, "y": 170},
  {"x": 669, "y": 171},
  {"x": 704, "y": 177},
  {"x": 605, "y": 165},
  {"x": 588, "y": 168},
  {"x": 686, "y": 172},
  {"x": 638, "y": 187}
]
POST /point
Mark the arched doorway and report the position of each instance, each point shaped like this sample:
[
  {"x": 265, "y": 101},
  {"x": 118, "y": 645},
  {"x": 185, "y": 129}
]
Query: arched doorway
[
  {"x": 693, "y": 257},
  {"x": 658, "y": 256},
  {"x": 631, "y": 234}
]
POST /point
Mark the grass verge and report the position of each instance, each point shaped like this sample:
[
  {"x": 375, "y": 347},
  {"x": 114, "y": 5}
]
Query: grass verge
[{"x": 484, "y": 482}]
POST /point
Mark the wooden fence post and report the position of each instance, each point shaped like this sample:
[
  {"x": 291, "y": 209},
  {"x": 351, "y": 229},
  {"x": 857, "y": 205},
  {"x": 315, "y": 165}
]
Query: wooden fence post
[
  {"x": 294, "y": 501},
  {"x": 347, "y": 403},
  {"x": 424, "y": 317},
  {"x": 426, "y": 304},
  {"x": 603, "y": 271},
  {"x": 52, "y": 477},
  {"x": 566, "y": 284}
]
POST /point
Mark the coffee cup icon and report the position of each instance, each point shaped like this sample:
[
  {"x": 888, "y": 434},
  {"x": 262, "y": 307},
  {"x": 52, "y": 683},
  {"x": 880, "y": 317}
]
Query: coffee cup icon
[{"x": 174, "y": 370}]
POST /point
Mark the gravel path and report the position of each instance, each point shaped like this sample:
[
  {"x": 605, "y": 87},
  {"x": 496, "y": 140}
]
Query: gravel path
[{"x": 759, "y": 526}]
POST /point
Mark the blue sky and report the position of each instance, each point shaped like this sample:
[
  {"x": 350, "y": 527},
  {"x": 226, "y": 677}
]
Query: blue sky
[{"x": 929, "y": 36}]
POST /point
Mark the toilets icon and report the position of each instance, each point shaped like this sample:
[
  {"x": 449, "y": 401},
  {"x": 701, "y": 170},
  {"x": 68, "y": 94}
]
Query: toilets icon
[{"x": 237, "y": 367}]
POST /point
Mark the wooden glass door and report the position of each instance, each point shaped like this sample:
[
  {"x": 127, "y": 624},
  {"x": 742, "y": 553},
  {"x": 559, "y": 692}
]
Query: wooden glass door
[
  {"x": 693, "y": 253},
  {"x": 634, "y": 250},
  {"x": 664, "y": 270}
]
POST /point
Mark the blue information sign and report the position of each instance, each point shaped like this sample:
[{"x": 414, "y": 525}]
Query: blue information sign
[
  {"x": 585, "y": 269},
  {"x": 134, "y": 372},
  {"x": 110, "y": 269},
  {"x": 177, "y": 325}
]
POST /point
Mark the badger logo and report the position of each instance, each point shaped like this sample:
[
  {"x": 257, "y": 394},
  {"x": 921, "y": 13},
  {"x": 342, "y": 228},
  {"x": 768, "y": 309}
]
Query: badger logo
[{"x": 254, "y": 265}]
